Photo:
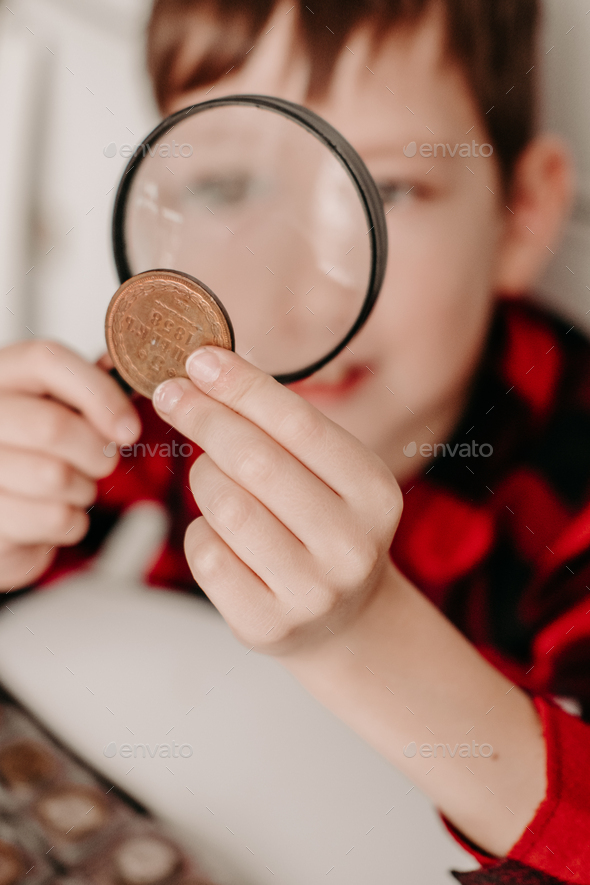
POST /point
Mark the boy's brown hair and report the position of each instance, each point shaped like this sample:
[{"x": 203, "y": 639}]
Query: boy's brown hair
[{"x": 493, "y": 42}]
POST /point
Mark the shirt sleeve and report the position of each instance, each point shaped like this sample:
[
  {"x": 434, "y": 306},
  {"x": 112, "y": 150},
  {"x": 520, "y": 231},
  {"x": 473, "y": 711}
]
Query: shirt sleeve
[{"x": 555, "y": 846}]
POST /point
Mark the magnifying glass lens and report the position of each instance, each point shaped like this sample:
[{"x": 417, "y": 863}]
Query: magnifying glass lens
[
  {"x": 271, "y": 209},
  {"x": 259, "y": 209}
]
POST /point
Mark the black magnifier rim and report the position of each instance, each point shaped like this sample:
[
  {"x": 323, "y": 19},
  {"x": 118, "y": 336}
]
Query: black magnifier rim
[{"x": 331, "y": 138}]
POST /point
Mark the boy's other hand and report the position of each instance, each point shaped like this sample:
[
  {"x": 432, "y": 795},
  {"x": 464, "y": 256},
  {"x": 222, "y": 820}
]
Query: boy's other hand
[
  {"x": 298, "y": 516},
  {"x": 59, "y": 413}
]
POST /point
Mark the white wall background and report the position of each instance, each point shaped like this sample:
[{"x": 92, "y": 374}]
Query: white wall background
[
  {"x": 566, "y": 57},
  {"x": 72, "y": 81}
]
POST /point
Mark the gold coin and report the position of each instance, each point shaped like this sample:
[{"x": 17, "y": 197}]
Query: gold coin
[{"x": 155, "y": 320}]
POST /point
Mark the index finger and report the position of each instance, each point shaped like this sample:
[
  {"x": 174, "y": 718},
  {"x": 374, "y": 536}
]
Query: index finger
[
  {"x": 330, "y": 452},
  {"x": 48, "y": 368}
]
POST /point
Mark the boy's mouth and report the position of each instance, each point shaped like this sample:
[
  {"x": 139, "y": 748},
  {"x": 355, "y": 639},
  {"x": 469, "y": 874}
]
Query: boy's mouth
[{"x": 334, "y": 384}]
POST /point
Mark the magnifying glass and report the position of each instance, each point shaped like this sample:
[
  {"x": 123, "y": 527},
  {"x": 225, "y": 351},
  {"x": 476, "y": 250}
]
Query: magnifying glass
[{"x": 254, "y": 213}]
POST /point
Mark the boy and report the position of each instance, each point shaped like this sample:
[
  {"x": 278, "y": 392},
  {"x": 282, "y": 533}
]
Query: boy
[{"x": 445, "y": 630}]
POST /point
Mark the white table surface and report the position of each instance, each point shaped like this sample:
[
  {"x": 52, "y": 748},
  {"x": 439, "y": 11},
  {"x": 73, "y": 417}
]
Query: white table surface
[{"x": 276, "y": 789}]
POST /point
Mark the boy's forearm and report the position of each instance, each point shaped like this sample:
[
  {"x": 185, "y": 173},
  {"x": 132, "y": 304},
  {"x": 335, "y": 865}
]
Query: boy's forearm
[{"x": 403, "y": 675}]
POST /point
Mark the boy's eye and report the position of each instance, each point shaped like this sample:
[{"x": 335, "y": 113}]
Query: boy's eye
[
  {"x": 393, "y": 192},
  {"x": 229, "y": 189}
]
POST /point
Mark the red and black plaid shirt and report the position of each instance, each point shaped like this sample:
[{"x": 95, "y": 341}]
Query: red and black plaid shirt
[{"x": 501, "y": 544}]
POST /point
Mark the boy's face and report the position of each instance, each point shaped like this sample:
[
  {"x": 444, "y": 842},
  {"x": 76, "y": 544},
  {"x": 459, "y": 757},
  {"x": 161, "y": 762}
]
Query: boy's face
[{"x": 445, "y": 225}]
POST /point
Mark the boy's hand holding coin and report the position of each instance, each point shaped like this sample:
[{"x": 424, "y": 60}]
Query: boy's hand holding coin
[{"x": 298, "y": 516}]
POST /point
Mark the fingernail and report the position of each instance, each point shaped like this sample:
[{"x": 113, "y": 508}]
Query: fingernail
[
  {"x": 203, "y": 366},
  {"x": 128, "y": 428},
  {"x": 167, "y": 395}
]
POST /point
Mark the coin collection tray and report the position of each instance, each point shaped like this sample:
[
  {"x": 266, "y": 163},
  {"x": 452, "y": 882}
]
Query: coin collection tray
[{"x": 62, "y": 824}]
